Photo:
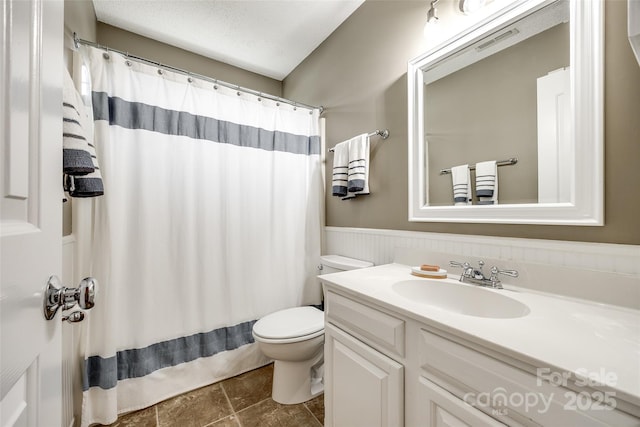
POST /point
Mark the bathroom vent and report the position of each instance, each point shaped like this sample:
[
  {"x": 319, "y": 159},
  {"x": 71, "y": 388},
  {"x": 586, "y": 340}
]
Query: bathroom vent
[{"x": 500, "y": 37}]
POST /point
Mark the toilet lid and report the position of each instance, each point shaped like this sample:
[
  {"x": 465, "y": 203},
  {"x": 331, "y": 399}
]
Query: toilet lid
[{"x": 290, "y": 323}]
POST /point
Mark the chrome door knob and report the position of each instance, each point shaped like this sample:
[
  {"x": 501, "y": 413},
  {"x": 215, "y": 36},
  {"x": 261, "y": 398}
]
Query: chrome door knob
[
  {"x": 87, "y": 293},
  {"x": 56, "y": 296}
]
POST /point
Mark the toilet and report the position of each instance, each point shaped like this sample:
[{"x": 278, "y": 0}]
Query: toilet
[{"x": 294, "y": 339}]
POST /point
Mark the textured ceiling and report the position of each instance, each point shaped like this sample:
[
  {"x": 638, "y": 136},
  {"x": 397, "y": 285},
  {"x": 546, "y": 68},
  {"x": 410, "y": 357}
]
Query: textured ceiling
[{"x": 264, "y": 36}]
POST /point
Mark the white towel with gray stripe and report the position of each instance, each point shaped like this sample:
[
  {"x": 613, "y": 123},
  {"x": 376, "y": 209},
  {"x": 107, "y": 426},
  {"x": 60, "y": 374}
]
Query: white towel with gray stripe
[
  {"x": 358, "y": 178},
  {"x": 461, "y": 178},
  {"x": 340, "y": 169},
  {"x": 80, "y": 165},
  {"x": 76, "y": 157},
  {"x": 487, "y": 183}
]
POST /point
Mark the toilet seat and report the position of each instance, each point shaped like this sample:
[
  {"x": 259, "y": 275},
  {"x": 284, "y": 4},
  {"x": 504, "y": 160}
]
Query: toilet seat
[{"x": 290, "y": 325}]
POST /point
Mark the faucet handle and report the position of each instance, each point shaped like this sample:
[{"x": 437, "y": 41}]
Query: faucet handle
[
  {"x": 495, "y": 271},
  {"x": 464, "y": 265}
]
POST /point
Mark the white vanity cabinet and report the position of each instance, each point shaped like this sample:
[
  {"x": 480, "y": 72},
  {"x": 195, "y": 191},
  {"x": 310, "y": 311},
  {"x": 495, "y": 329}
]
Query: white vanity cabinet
[
  {"x": 508, "y": 391},
  {"x": 364, "y": 387},
  {"x": 386, "y": 368}
]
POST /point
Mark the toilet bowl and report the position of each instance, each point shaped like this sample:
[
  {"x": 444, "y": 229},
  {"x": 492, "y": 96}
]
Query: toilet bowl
[{"x": 294, "y": 339}]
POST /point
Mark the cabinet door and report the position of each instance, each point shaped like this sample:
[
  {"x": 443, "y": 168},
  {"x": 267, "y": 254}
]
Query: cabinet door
[
  {"x": 443, "y": 409},
  {"x": 363, "y": 387}
]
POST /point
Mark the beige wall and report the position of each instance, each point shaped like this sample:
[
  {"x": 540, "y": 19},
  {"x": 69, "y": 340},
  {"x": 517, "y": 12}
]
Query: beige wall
[
  {"x": 165, "y": 54},
  {"x": 359, "y": 75},
  {"x": 79, "y": 16}
]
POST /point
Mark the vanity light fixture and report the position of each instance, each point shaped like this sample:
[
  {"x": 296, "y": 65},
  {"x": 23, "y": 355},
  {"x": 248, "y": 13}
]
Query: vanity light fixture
[{"x": 470, "y": 6}]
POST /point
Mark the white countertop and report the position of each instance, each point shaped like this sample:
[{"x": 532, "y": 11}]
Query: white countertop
[{"x": 597, "y": 341}]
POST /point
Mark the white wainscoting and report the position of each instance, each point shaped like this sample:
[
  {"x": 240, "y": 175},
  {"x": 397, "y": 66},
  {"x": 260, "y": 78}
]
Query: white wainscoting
[
  {"x": 606, "y": 273},
  {"x": 377, "y": 246}
]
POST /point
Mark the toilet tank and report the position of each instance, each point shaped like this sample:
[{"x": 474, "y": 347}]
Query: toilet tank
[{"x": 336, "y": 263}]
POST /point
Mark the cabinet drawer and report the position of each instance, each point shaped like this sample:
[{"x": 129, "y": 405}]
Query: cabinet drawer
[
  {"x": 379, "y": 329},
  {"x": 509, "y": 394}
]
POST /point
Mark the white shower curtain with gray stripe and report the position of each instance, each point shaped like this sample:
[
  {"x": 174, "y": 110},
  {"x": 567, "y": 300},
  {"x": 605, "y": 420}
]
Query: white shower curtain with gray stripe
[{"x": 211, "y": 218}]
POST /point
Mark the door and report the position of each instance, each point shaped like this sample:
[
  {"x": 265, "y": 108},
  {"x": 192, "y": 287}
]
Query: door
[
  {"x": 31, "y": 210},
  {"x": 555, "y": 150},
  {"x": 363, "y": 387}
]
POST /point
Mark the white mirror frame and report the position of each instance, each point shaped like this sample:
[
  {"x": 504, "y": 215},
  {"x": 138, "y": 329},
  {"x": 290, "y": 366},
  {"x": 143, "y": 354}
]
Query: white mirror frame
[{"x": 587, "y": 106}]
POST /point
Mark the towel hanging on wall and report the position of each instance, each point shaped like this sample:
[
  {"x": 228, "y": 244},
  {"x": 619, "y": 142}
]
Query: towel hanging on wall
[
  {"x": 351, "y": 167},
  {"x": 358, "y": 181},
  {"x": 80, "y": 165},
  {"x": 340, "y": 169},
  {"x": 487, "y": 183},
  {"x": 461, "y": 178}
]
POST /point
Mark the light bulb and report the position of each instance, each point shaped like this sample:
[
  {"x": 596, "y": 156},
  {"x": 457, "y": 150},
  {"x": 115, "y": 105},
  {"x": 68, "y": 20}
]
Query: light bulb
[{"x": 470, "y": 6}]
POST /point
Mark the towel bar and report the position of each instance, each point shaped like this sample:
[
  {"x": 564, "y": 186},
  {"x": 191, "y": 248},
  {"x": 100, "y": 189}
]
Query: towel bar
[
  {"x": 383, "y": 133},
  {"x": 508, "y": 162}
]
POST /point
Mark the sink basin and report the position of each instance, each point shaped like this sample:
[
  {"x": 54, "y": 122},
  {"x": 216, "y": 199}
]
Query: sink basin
[{"x": 463, "y": 299}]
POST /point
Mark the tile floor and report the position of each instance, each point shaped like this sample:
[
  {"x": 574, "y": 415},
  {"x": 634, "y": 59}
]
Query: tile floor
[{"x": 242, "y": 401}]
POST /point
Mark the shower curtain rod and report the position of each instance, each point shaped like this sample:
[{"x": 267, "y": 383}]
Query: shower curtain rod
[{"x": 78, "y": 41}]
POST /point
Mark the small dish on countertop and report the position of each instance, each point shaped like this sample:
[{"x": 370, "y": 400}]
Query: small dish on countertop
[{"x": 440, "y": 274}]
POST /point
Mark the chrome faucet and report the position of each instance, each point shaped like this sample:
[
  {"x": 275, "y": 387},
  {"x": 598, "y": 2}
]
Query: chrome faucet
[{"x": 477, "y": 276}]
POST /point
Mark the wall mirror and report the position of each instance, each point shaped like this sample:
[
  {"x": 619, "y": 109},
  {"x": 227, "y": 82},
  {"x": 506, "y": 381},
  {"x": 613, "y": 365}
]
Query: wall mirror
[{"x": 523, "y": 87}]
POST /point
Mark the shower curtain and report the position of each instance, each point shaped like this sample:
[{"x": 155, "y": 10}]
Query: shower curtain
[{"x": 210, "y": 219}]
